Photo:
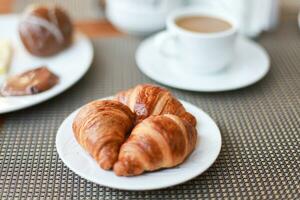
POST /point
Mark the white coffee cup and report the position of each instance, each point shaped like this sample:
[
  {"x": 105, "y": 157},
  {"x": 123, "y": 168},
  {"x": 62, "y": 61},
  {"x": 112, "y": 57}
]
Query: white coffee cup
[
  {"x": 140, "y": 17},
  {"x": 197, "y": 52}
]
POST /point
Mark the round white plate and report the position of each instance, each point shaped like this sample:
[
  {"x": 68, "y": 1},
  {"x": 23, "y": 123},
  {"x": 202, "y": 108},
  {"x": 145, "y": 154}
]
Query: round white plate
[
  {"x": 207, "y": 150},
  {"x": 70, "y": 65},
  {"x": 251, "y": 64},
  {"x": 299, "y": 19}
]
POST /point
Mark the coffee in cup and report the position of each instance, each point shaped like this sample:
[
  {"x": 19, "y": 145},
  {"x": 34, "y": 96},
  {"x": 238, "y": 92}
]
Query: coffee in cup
[
  {"x": 203, "y": 24},
  {"x": 203, "y": 40}
]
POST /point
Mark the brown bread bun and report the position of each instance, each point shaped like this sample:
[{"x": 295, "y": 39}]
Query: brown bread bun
[{"x": 45, "y": 30}]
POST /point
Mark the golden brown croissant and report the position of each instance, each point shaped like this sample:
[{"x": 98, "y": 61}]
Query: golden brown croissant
[
  {"x": 145, "y": 100},
  {"x": 100, "y": 128},
  {"x": 157, "y": 142}
]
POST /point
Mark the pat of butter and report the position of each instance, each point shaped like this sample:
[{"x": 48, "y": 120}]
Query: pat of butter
[{"x": 5, "y": 55}]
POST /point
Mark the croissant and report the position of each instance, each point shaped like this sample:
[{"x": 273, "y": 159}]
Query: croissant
[
  {"x": 157, "y": 142},
  {"x": 100, "y": 128},
  {"x": 145, "y": 100}
]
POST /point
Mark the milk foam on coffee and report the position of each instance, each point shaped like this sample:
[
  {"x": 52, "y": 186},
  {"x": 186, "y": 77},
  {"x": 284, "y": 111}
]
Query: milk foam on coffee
[{"x": 203, "y": 24}]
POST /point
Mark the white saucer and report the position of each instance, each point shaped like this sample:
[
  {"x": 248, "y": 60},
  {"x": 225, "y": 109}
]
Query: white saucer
[
  {"x": 251, "y": 64},
  {"x": 207, "y": 150},
  {"x": 70, "y": 65}
]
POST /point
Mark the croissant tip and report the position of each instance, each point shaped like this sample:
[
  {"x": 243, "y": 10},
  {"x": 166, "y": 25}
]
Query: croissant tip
[
  {"x": 127, "y": 169},
  {"x": 119, "y": 169},
  {"x": 106, "y": 165}
]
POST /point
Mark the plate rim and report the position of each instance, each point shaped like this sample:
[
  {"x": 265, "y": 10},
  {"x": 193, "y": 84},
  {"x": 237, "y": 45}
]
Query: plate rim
[
  {"x": 209, "y": 90},
  {"x": 68, "y": 86},
  {"x": 179, "y": 181},
  {"x": 299, "y": 19}
]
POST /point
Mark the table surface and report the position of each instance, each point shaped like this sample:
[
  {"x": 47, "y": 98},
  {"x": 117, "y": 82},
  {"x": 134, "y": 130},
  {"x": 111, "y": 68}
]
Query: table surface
[{"x": 260, "y": 125}]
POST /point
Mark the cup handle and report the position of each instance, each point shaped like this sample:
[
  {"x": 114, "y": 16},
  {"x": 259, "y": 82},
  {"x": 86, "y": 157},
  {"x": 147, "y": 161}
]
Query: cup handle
[{"x": 161, "y": 42}]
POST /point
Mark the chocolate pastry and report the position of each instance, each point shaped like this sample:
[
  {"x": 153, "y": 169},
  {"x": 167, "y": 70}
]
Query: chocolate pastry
[{"x": 30, "y": 82}]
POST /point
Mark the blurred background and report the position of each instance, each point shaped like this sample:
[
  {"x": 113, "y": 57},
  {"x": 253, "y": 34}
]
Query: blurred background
[{"x": 255, "y": 16}]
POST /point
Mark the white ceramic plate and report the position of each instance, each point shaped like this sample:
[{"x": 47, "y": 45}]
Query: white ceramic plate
[
  {"x": 207, "y": 150},
  {"x": 299, "y": 19},
  {"x": 70, "y": 65},
  {"x": 251, "y": 64}
]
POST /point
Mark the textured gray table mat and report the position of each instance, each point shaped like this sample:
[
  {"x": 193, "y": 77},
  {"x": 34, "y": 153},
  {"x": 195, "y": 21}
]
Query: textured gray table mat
[{"x": 259, "y": 124}]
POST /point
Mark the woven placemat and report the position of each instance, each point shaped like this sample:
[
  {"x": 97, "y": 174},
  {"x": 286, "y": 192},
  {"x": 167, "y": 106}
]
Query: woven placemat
[
  {"x": 78, "y": 9},
  {"x": 259, "y": 124}
]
